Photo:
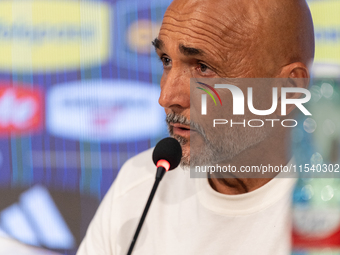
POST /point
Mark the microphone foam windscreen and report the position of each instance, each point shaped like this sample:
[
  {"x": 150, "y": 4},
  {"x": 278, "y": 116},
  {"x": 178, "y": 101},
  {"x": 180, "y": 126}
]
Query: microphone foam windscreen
[{"x": 168, "y": 149}]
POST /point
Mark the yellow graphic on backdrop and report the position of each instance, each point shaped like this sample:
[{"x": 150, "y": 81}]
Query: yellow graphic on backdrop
[
  {"x": 326, "y": 18},
  {"x": 53, "y": 35},
  {"x": 141, "y": 33}
]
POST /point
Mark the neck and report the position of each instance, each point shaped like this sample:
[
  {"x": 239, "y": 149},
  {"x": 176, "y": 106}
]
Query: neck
[{"x": 235, "y": 186}]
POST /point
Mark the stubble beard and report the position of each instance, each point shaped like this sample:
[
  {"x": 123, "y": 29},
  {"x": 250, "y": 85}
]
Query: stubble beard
[{"x": 217, "y": 147}]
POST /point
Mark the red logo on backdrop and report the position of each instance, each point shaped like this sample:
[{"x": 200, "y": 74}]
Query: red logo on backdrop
[
  {"x": 316, "y": 228},
  {"x": 307, "y": 242},
  {"x": 21, "y": 109}
]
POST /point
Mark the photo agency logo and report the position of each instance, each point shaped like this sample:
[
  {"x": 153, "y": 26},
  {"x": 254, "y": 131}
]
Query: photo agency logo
[
  {"x": 230, "y": 117},
  {"x": 282, "y": 94},
  {"x": 204, "y": 97}
]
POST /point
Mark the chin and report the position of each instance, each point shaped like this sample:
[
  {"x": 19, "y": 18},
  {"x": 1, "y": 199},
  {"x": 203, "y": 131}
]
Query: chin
[{"x": 185, "y": 145}]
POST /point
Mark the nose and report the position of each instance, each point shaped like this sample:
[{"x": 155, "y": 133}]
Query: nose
[{"x": 175, "y": 90}]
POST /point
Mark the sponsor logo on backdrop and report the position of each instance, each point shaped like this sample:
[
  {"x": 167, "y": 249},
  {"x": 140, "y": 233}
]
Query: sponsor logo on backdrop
[
  {"x": 21, "y": 109},
  {"x": 53, "y": 35},
  {"x": 140, "y": 34},
  {"x": 105, "y": 110},
  {"x": 139, "y": 30},
  {"x": 317, "y": 227},
  {"x": 26, "y": 221},
  {"x": 326, "y": 20}
]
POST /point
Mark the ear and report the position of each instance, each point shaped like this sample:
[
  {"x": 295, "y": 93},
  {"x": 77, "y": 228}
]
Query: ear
[{"x": 295, "y": 75}]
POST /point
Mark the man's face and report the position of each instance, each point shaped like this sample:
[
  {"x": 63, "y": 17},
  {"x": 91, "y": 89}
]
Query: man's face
[{"x": 195, "y": 45}]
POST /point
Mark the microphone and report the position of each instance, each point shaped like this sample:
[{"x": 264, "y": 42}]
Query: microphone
[{"x": 167, "y": 155}]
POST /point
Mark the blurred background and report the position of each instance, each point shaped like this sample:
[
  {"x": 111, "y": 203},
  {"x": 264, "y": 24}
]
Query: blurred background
[{"x": 79, "y": 87}]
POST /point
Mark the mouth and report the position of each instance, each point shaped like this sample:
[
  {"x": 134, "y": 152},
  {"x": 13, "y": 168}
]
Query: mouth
[{"x": 181, "y": 130}]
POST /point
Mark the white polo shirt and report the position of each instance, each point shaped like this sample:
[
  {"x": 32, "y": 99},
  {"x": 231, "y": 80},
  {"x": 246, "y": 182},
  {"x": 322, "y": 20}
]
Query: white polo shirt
[{"x": 188, "y": 217}]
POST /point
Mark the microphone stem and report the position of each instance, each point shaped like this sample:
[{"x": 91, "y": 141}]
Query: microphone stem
[{"x": 159, "y": 175}]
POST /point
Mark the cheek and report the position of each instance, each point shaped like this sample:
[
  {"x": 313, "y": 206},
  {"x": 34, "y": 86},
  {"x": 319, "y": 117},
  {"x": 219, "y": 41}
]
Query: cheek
[{"x": 262, "y": 99}]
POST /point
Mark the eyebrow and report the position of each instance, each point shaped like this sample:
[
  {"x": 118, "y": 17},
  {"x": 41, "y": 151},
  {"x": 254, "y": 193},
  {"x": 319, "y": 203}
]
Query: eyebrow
[
  {"x": 187, "y": 51},
  {"x": 158, "y": 44}
]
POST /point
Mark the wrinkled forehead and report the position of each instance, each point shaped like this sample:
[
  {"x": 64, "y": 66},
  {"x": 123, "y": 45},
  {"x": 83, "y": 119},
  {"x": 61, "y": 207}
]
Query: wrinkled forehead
[
  {"x": 223, "y": 22},
  {"x": 219, "y": 13}
]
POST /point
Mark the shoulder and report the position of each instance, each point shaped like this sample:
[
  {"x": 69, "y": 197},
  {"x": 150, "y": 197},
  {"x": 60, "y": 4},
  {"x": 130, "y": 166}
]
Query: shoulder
[
  {"x": 123, "y": 201},
  {"x": 137, "y": 170},
  {"x": 137, "y": 176}
]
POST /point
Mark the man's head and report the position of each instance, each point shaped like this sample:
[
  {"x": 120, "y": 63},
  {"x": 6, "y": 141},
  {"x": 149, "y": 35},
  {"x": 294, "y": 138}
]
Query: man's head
[{"x": 232, "y": 39}]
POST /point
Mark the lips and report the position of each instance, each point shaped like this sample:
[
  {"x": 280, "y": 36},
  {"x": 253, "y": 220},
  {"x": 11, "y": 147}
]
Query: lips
[
  {"x": 180, "y": 126},
  {"x": 181, "y": 130}
]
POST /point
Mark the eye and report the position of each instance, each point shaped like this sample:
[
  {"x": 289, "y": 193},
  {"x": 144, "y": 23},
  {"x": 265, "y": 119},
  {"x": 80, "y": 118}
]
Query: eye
[
  {"x": 203, "y": 68},
  {"x": 166, "y": 61}
]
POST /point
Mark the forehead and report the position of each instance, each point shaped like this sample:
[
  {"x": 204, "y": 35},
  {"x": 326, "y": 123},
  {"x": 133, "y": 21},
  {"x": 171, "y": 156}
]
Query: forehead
[
  {"x": 193, "y": 21},
  {"x": 211, "y": 28}
]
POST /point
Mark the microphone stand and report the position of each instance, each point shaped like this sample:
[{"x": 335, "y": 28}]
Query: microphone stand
[{"x": 159, "y": 175}]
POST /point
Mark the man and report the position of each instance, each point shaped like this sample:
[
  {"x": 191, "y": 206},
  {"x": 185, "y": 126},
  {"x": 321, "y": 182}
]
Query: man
[{"x": 212, "y": 39}]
